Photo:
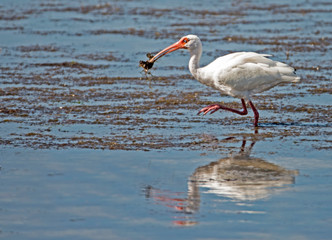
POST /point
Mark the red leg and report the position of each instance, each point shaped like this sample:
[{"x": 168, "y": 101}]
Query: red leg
[
  {"x": 255, "y": 113},
  {"x": 215, "y": 107}
]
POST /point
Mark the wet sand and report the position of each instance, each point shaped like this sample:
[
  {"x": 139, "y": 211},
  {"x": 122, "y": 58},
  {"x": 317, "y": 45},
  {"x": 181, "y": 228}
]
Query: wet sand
[{"x": 73, "y": 97}]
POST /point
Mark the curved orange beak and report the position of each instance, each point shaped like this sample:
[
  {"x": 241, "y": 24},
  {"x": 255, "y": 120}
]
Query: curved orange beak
[{"x": 178, "y": 45}]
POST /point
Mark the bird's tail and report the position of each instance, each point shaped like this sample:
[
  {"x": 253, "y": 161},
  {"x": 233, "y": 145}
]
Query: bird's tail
[
  {"x": 297, "y": 78},
  {"x": 288, "y": 74}
]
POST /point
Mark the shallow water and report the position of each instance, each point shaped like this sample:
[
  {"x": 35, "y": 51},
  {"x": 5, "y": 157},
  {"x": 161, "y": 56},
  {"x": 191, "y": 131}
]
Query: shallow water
[{"x": 92, "y": 148}]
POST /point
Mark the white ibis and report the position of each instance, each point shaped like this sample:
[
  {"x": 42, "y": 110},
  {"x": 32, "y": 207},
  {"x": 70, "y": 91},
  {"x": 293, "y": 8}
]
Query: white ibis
[{"x": 239, "y": 74}]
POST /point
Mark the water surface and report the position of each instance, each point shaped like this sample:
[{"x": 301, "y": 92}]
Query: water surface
[{"x": 92, "y": 148}]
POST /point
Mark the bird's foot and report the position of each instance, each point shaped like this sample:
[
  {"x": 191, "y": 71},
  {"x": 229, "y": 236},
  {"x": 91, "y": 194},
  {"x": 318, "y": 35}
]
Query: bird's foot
[{"x": 211, "y": 108}]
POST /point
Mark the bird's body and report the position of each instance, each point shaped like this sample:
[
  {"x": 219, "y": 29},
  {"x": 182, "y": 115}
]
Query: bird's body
[
  {"x": 243, "y": 74},
  {"x": 240, "y": 74}
]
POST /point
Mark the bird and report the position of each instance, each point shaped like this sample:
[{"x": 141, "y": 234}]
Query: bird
[{"x": 238, "y": 74}]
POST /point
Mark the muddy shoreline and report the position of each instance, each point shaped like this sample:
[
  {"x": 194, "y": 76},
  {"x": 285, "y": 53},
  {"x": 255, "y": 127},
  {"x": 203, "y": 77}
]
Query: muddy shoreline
[{"x": 57, "y": 90}]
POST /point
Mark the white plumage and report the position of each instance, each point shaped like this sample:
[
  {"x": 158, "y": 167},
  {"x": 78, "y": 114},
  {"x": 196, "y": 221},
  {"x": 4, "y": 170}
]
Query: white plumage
[
  {"x": 239, "y": 74},
  {"x": 242, "y": 74}
]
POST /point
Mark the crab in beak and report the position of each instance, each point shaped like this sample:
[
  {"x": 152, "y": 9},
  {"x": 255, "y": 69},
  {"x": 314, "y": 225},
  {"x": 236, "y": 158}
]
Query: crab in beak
[{"x": 181, "y": 44}]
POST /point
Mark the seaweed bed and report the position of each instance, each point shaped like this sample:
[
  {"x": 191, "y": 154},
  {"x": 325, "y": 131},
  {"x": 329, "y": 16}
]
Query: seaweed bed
[{"x": 80, "y": 87}]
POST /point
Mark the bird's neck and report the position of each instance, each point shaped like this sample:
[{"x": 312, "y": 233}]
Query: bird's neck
[{"x": 195, "y": 56}]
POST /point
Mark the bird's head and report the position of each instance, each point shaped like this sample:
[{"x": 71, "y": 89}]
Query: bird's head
[
  {"x": 190, "y": 42},
  {"x": 193, "y": 42}
]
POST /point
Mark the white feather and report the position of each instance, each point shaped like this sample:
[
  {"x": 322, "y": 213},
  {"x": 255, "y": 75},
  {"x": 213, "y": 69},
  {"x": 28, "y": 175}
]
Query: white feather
[
  {"x": 243, "y": 74},
  {"x": 239, "y": 74}
]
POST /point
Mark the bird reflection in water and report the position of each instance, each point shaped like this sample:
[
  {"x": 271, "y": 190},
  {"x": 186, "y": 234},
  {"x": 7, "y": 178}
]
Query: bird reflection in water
[{"x": 239, "y": 177}]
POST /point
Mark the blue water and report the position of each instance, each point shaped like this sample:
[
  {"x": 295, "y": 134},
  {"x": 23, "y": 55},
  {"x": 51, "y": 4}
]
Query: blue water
[
  {"x": 90, "y": 148},
  {"x": 93, "y": 194}
]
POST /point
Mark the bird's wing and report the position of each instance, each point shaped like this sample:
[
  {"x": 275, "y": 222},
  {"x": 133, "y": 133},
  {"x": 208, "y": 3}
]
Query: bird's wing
[{"x": 245, "y": 73}]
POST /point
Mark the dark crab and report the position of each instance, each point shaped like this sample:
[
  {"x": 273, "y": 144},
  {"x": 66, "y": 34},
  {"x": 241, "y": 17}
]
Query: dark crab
[{"x": 147, "y": 64}]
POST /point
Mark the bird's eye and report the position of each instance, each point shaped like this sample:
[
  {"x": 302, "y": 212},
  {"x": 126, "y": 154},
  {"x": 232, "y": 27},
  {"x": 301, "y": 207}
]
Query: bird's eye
[{"x": 185, "y": 40}]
